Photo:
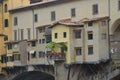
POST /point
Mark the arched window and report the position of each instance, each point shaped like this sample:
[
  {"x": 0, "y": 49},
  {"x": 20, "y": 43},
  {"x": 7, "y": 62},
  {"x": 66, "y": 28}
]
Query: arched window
[{"x": 6, "y": 8}]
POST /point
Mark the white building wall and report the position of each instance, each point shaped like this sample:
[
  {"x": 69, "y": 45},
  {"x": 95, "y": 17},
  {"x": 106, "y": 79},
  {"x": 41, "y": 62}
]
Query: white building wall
[{"x": 25, "y": 21}]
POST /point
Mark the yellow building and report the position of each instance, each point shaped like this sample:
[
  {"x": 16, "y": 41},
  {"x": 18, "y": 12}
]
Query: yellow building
[
  {"x": 6, "y": 24},
  {"x": 87, "y": 42}
]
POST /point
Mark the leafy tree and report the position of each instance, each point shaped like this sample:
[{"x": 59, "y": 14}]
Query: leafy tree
[{"x": 52, "y": 45}]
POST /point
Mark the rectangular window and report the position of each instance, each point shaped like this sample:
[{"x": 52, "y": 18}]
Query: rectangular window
[
  {"x": 9, "y": 46},
  {"x": 33, "y": 43},
  {"x": 15, "y": 35},
  {"x": 56, "y": 35},
  {"x": 17, "y": 57},
  {"x": 73, "y": 12},
  {"x": 103, "y": 23},
  {"x": 6, "y": 22},
  {"x": 78, "y": 34},
  {"x": 48, "y": 39},
  {"x": 103, "y": 36},
  {"x": 36, "y": 33},
  {"x": 15, "y": 21},
  {"x": 36, "y": 18},
  {"x": 53, "y": 16},
  {"x": 78, "y": 51},
  {"x": 90, "y": 23},
  {"x": 42, "y": 29},
  {"x": 33, "y": 55},
  {"x": 22, "y": 34},
  {"x": 43, "y": 40},
  {"x": 64, "y": 34},
  {"x": 39, "y": 41},
  {"x": 95, "y": 9},
  {"x": 3, "y": 58},
  {"x": 29, "y": 33},
  {"x": 9, "y": 58},
  {"x": 41, "y": 54},
  {"x": 5, "y": 38},
  {"x": 90, "y": 35},
  {"x": 119, "y": 5},
  {"x": 90, "y": 50}
]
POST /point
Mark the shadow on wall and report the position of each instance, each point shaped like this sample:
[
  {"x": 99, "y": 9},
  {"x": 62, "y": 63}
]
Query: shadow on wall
[{"x": 34, "y": 75}]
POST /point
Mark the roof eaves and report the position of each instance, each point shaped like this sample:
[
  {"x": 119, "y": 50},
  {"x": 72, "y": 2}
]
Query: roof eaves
[{"x": 40, "y": 5}]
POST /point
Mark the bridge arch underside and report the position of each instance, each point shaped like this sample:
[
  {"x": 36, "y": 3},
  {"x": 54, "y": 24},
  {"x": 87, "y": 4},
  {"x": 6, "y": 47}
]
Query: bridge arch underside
[
  {"x": 34, "y": 75},
  {"x": 115, "y": 37}
]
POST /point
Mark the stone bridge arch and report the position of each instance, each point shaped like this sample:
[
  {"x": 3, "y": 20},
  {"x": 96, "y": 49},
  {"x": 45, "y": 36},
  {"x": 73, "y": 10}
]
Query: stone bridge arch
[
  {"x": 34, "y": 75},
  {"x": 115, "y": 24},
  {"x": 115, "y": 37},
  {"x": 25, "y": 72}
]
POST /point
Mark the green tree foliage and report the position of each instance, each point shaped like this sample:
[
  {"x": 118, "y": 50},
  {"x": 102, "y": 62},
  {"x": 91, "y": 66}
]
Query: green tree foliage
[{"x": 52, "y": 45}]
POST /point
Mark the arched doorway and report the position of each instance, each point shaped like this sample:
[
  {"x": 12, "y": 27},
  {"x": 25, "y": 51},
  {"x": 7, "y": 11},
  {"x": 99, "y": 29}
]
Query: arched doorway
[{"x": 34, "y": 75}]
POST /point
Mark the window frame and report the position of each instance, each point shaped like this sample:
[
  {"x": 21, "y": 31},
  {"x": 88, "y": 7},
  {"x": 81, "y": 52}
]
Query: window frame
[
  {"x": 33, "y": 43},
  {"x": 55, "y": 35},
  {"x": 77, "y": 34},
  {"x": 78, "y": 51},
  {"x": 90, "y": 23},
  {"x": 64, "y": 34},
  {"x": 36, "y": 18},
  {"x": 5, "y": 8},
  {"x": 90, "y": 50},
  {"x": 6, "y": 23},
  {"x": 15, "y": 35},
  {"x": 95, "y": 10},
  {"x": 15, "y": 21},
  {"x": 73, "y": 12},
  {"x": 53, "y": 16},
  {"x": 9, "y": 46},
  {"x": 34, "y": 55},
  {"x": 90, "y": 35}
]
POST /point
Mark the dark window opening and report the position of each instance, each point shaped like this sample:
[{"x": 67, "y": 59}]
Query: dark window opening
[
  {"x": 73, "y": 12},
  {"x": 90, "y": 35},
  {"x": 64, "y": 34},
  {"x": 36, "y": 17},
  {"x": 6, "y": 8},
  {"x": 90, "y": 50},
  {"x": 90, "y": 23},
  {"x": 78, "y": 51},
  {"x": 6, "y": 38},
  {"x": 56, "y": 35},
  {"x": 33, "y": 55},
  {"x": 95, "y": 9},
  {"x": 78, "y": 34},
  {"x": 33, "y": 43},
  {"x": 41, "y": 54},
  {"x": 9, "y": 46},
  {"x": 53, "y": 16},
  {"x": 6, "y": 23}
]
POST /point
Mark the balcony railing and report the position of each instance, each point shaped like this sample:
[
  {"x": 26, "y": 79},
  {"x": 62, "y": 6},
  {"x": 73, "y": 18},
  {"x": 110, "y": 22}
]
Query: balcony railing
[{"x": 57, "y": 56}]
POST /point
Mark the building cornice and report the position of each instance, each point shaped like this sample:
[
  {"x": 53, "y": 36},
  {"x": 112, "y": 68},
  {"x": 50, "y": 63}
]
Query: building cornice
[{"x": 40, "y": 5}]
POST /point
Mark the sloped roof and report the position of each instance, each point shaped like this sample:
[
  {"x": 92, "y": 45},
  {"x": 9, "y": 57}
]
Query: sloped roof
[
  {"x": 93, "y": 19},
  {"x": 69, "y": 24}
]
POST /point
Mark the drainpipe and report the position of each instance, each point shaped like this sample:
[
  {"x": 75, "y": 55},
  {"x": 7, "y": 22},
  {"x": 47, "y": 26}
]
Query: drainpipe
[{"x": 109, "y": 29}]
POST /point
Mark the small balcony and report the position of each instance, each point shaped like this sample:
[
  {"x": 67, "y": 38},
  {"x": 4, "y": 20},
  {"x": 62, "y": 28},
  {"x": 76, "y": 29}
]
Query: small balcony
[{"x": 56, "y": 56}]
